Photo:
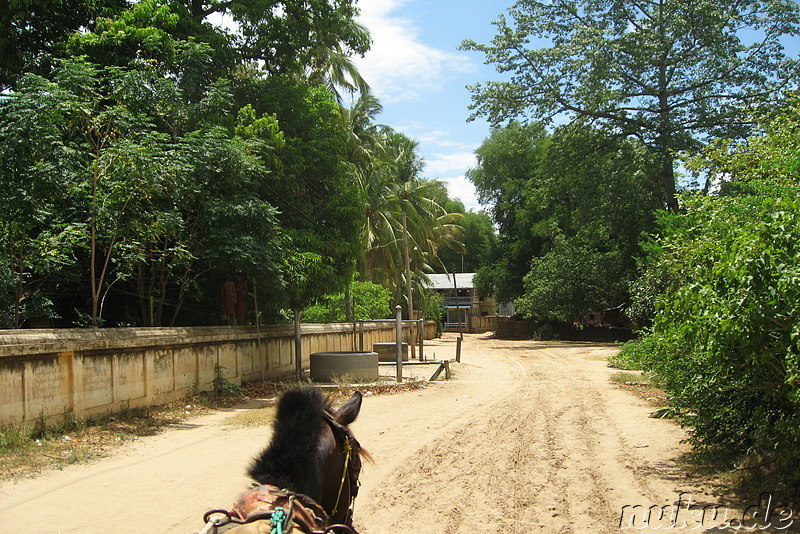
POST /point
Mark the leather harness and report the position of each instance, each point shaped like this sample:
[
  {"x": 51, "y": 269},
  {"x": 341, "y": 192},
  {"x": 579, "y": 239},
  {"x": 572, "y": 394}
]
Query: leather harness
[{"x": 254, "y": 511}]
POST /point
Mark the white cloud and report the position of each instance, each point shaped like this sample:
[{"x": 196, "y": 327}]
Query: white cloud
[
  {"x": 449, "y": 163},
  {"x": 405, "y": 71},
  {"x": 399, "y": 66},
  {"x": 462, "y": 189},
  {"x": 444, "y": 139}
]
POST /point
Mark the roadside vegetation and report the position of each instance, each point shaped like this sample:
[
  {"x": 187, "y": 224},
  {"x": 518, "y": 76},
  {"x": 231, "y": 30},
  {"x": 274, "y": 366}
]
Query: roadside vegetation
[
  {"x": 668, "y": 189},
  {"x": 27, "y": 449},
  {"x": 720, "y": 281},
  {"x": 149, "y": 156}
]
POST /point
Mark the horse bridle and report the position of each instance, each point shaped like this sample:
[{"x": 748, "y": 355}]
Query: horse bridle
[
  {"x": 352, "y": 465},
  {"x": 350, "y": 473}
]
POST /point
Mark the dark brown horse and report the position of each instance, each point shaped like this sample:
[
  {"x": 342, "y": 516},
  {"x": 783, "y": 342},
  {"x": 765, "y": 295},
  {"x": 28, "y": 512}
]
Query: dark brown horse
[{"x": 309, "y": 470}]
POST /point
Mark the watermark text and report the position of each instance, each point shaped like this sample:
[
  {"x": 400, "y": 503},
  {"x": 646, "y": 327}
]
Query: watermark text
[{"x": 685, "y": 513}]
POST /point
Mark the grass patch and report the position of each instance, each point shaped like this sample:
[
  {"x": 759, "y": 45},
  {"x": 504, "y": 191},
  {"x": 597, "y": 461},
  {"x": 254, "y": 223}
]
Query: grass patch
[
  {"x": 639, "y": 383},
  {"x": 630, "y": 379},
  {"x": 29, "y": 448},
  {"x": 254, "y": 417}
]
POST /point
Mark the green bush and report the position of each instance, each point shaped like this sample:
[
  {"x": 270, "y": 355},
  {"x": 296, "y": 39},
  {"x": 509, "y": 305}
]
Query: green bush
[
  {"x": 15, "y": 438},
  {"x": 369, "y": 301},
  {"x": 724, "y": 342},
  {"x": 222, "y": 387},
  {"x": 432, "y": 309},
  {"x": 634, "y": 354}
]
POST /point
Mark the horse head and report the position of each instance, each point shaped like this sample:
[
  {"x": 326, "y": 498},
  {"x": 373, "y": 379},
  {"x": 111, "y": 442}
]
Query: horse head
[{"x": 313, "y": 452}]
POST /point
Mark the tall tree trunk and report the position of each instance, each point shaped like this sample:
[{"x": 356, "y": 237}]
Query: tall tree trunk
[
  {"x": 665, "y": 126},
  {"x": 144, "y": 303},
  {"x": 348, "y": 308},
  {"x": 668, "y": 175},
  {"x": 18, "y": 268},
  {"x": 163, "y": 280},
  {"x": 407, "y": 261}
]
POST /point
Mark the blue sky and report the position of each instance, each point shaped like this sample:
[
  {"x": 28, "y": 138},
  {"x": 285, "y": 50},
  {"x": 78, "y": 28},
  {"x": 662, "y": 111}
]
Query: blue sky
[{"x": 419, "y": 75}]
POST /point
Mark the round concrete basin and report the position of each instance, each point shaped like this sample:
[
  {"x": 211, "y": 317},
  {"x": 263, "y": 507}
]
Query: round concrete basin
[
  {"x": 387, "y": 352},
  {"x": 346, "y": 365}
]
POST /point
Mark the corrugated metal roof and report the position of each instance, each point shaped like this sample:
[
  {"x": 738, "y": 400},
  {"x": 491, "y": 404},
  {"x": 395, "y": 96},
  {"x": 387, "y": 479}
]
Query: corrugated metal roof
[{"x": 445, "y": 281}]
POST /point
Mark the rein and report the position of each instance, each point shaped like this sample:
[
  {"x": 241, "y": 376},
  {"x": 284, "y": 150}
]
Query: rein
[
  {"x": 352, "y": 464},
  {"x": 279, "y": 507}
]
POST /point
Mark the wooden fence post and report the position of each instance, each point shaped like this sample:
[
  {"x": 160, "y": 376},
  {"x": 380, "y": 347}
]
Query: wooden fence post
[{"x": 399, "y": 341}]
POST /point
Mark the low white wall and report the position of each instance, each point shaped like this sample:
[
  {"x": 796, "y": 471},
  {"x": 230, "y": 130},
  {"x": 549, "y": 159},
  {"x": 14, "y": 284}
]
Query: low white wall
[{"x": 50, "y": 373}]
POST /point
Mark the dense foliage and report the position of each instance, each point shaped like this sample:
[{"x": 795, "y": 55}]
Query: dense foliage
[
  {"x": 507, "y": 161},
  {"x": 367, "y": 300},
  {"x": 149, "y": 154},
  {"x": 724, "y": 338},
  {"x": 567, "y": 236}
]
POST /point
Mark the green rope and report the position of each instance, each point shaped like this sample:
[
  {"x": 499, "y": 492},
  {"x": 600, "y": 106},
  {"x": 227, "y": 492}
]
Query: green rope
[
  {"x": 348, "y": 449},
  {"x": 276, "y": 520}
]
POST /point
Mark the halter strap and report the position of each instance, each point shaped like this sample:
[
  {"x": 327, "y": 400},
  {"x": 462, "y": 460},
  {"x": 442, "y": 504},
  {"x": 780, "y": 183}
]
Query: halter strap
[{"x": 352, "y": 463}]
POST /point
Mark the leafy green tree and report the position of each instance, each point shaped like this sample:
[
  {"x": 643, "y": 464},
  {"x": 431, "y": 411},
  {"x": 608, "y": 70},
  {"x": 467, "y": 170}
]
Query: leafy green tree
[
  {"x": 368, "y": 301},
  {"x": 508, "y": 160},
  {"x": 562, "y": 214},
  {"x": 724, "y": 339},
  {"x": 224, "y": 225},
  {"x": 101, "y": 174},
  {"x": 671, "y": 73},
  {"x": 591, "y": 229},
  {"x": 320, "y": 206},
  {"x": 33, "y": 32},
  {"x": 38, "y": 162},
  {"x": 146, "y": 30},
  {"x": 282, "y": 36},
  {"x": 154, "y": 174},
  {"x": 288, "y": 35},
  {"x": 432, "y": 307},
  {"x": 132, "y": 205}
]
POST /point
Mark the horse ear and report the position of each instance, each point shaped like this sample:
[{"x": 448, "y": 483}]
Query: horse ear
[{"x": 348, "y": 411}]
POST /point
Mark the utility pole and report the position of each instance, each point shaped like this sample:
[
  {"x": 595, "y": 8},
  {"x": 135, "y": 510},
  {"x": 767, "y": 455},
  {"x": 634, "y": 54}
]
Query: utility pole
[
  {"x": 458, "y": 309},
  {"x": 408, "y": 268},
  {"x": 398, "y": 317},
  {"x": 408, "y": 282}
]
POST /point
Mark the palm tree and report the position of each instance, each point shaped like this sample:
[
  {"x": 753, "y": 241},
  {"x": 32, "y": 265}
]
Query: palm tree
[
  {"x": 392, "y": 188},
  {"x": 365, "y": 138},
  {"x": 387, "y": 168},
  {"x": 336, "y": 70}
]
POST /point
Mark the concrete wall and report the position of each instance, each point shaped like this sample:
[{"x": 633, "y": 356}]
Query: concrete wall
[{"x": 50, "y": 373}]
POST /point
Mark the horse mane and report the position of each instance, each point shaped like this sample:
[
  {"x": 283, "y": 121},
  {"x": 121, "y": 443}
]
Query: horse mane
[{"x": 294, "y": 458}]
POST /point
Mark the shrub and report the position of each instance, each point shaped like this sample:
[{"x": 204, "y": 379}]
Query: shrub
[
  {"x": 724, "y": 343},
  {"x": 369, "y": 301}
]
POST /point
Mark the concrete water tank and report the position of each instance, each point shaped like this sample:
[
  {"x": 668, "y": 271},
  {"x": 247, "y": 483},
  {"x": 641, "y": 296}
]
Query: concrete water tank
[
  {"x": 387, "y": 352},
  {"x": 356, "y": 366}
]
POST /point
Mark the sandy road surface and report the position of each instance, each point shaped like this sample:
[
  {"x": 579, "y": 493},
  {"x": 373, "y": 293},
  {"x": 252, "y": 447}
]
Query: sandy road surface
[{"x": 529, "y": 437}]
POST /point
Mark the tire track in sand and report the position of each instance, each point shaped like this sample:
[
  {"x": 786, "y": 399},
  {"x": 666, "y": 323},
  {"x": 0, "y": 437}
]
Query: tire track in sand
[{"x": 563, "y": 453}]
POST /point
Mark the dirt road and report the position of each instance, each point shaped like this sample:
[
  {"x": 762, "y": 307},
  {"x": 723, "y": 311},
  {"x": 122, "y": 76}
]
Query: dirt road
[{"x": 528, "y": 437}]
